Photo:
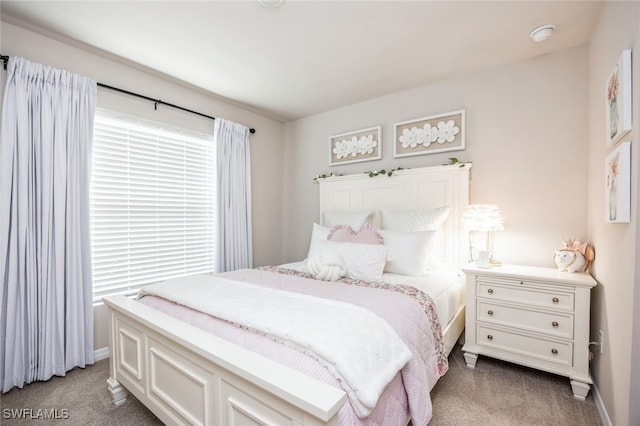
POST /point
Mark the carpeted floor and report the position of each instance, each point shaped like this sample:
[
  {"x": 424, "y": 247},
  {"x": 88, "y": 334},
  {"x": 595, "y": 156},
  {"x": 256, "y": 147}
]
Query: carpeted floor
[
  {"x": 499, "y": 393},
  {"x": 83, "y": 393},
  {"x": 495, "y": 393}
]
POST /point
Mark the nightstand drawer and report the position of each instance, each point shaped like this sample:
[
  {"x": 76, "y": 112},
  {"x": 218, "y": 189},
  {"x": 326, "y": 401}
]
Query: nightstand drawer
[
  {"x": 520, "y": 293},
  {"x": 507, "y": 341},
  {"x": 555, "y": 324}
]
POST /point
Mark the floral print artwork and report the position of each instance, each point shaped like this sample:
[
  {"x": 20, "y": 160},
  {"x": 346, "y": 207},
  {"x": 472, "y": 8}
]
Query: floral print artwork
[
  {"x": 443, "y": 132},
  {"x": 354, "y": 146},
  {"x": 612, "y": 98},
  {"x": 618, "y": 184},
  {"x": 438, "y": 133},
  {"x": 618, "y": 100},
  {"x": 611, "y": 186},
  {"x": 359, "y": 145}
]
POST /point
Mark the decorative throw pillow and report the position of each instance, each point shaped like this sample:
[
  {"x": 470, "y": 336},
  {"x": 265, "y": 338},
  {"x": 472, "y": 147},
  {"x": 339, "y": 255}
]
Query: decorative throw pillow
[
  {"x": 414, "y": 221},
  {"x": 367, "y": 234},
  {"x": 332, "y": 218},
  {"x": 327, "y": 265},
  {"x": 410, "y": 253},
  {"x": 362, "y": 261}
]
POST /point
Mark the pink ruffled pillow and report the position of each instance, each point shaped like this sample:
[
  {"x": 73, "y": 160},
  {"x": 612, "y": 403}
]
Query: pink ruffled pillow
[{"x": 367, "y": 234}]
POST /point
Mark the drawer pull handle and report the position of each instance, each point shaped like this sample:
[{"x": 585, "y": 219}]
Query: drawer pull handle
[
  {"x": 490, "y": 312},
  {"x": 490, "y": 291},
  {"x": 555, "y": 324},
  {"x": 554, "y": 351},
  {"x": 555, "y": 300},
  {"x": 489, "y": 337}
]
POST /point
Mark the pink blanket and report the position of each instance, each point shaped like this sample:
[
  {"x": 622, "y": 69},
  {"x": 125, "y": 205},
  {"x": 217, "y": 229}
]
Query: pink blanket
[{"x": 409, "y": 312}]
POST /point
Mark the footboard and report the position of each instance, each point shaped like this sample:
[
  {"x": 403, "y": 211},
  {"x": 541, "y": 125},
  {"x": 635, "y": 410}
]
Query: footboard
[{"x": 188, "y": 376}]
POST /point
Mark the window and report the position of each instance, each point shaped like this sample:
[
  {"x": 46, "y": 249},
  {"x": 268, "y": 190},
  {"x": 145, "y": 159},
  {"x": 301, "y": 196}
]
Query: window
[{"x": 152, "y": 200}]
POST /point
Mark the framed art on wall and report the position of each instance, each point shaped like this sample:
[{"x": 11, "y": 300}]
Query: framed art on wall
[
  {"x": 618, "y": 100},
  {"x": 618, "y": 185},
  {"x": 428, "y": 135},
  {"x": 356, "y": 146}
]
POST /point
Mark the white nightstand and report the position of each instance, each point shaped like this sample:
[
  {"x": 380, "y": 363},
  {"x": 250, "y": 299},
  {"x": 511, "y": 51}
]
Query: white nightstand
[{"x": 538, "y": 317}]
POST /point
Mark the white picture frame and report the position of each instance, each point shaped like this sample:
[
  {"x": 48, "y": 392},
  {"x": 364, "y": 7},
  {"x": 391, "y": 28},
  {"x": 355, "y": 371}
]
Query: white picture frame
[
  {"x": 356, "y": 146},
  {"x": 618, "y": 184},
  {"x": 429, "y": 135},
  {"x": 618, "y": 107}
]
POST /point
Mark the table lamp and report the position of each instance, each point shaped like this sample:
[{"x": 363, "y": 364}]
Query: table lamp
[{"x": 482, "y": 218}]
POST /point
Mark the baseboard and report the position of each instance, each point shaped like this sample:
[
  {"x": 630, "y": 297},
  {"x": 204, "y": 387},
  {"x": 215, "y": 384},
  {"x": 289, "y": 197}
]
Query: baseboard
[
  {"x": 100, "y": 354},
  {"x": 602, "y": 410}
]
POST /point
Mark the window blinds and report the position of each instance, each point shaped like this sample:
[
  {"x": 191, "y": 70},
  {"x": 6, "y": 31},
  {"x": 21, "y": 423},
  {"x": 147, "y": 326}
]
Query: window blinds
[{"x": 152, "y": 200}]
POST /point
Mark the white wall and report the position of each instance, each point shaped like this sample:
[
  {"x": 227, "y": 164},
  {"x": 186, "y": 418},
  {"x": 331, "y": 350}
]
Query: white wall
[
  {"x": 613, "y": 308},
  {"x": 526, "y": 135},
  {"x": 266, "y": 143}
]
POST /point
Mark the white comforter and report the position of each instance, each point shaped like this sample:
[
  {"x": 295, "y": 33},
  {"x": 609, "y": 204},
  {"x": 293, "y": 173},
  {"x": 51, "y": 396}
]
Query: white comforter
[
  {"x": 410, "y": 313},
  {"x": 355, "y": 344}
]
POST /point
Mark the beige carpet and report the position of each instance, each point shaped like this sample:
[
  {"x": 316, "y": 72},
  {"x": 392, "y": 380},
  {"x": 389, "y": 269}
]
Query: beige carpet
[
  {"x": 498, "y": 393},
  {"x": 83, "y": 392},
  {"x": 495, "y": 393}
]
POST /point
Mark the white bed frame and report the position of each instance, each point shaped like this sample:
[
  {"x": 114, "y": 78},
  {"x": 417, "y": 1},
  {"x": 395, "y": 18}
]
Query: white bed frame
[
  {"x": 185, "y": 375},
  {"x": 412, "y": 189}
]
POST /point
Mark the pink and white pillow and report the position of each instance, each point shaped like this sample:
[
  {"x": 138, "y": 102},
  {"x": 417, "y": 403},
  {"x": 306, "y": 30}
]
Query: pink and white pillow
[
  {"x": 406, "y": 253},
  {"x": 362, "y": 251},
  {"x": 366, "y": 234}
]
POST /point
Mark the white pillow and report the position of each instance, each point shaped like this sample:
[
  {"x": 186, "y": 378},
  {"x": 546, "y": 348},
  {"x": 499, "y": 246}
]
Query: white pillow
[
  {"x": 362, "y": 261},
  {"x": 409, "y": 252},
  {"x": 331, "y": 218},
  {"x": 318, "y": 232},
  {"x": 414, "y": 221}
]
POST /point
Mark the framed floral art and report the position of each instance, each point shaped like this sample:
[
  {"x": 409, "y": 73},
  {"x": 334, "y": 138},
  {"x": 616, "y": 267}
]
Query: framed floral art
[
  {"x": 356, "y": 146},
  {"x": 618, "y": 185},
  {"x": 428, "y": 135},
  {"x": 618, "y": 100}
]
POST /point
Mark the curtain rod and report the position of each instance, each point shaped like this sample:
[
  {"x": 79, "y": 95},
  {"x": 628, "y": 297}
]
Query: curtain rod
[{"x": 156, "y": 102}]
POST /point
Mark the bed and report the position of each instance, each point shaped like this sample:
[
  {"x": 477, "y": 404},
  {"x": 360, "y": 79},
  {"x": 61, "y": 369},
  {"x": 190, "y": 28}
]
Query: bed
[{"x": 171, "y": 362}]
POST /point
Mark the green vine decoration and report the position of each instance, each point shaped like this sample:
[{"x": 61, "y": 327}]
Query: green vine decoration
[
  {"x": 383, "y": 172},
  {"x": 454, "y": 160},
  {"x": 373, "y": 173},
  {"x": 324, "y": 176}
]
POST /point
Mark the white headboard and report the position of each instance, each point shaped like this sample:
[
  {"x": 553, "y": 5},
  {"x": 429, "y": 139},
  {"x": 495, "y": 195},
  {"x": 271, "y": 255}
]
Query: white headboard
[{"x": 412, "y": 189}]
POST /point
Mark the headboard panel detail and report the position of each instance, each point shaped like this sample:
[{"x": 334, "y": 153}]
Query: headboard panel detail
[{"x": 411, "y": 189}]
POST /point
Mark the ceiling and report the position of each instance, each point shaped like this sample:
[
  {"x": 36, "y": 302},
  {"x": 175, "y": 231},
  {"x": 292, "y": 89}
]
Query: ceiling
[{"x": 306, "y": 57}]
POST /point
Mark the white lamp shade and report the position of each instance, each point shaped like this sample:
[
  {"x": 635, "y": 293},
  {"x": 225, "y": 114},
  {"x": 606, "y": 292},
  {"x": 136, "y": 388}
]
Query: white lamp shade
[{"x": 483, "y": 217}]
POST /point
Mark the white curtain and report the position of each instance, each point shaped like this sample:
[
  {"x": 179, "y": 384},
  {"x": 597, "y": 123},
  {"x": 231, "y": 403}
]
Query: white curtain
[
  {"x": 46, "y": 313},
  {"x": 234, "y": 242}
]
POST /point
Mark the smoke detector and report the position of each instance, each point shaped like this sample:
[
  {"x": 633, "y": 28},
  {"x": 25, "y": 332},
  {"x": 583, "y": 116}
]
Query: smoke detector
[
  {"x": 542, "y": 33},
  {"x": 271, "y": 3}
]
